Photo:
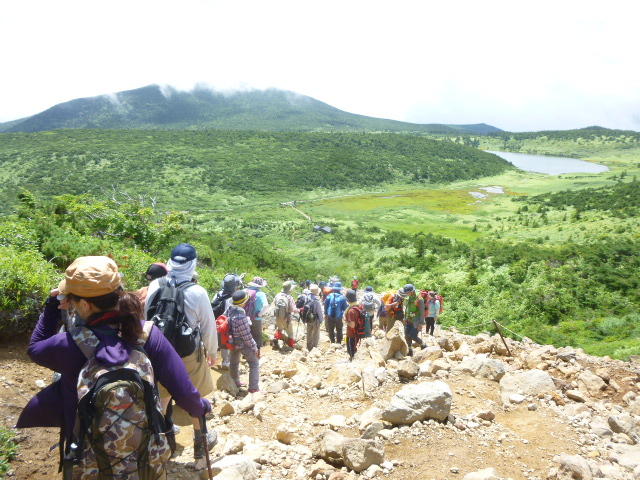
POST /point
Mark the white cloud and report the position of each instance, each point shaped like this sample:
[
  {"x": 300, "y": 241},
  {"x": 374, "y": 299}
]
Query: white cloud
[{"x": 519, "y": 65}]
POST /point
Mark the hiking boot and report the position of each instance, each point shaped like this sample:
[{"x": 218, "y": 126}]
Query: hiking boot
[
  {"x": 198, "y": 443},
  {"x": 291, "y": 343},
  {"x": 410, "y": 352}
]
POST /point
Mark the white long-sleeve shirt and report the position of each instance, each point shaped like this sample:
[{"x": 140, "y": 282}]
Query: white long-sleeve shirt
[{"x": 197, "y": 309}]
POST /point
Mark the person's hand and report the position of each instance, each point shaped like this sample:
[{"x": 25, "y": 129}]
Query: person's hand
[
  {"x": 258, "y": 354},
  {"x": 55, "y": 292},
  {"x": 64, "y": 303},
  {"x": 211, "y": 360},
  {"x": 206, "y": 404}
]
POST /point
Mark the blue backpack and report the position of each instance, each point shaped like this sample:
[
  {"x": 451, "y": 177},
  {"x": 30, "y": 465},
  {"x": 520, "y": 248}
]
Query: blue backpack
[{"x": 332, "y": 310}]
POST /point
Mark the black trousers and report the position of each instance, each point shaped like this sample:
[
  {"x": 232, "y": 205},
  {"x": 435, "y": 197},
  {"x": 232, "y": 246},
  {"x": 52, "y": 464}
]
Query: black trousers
[{"x": 431, "y": 325}]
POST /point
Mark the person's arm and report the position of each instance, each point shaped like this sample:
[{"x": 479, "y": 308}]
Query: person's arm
[
  {"x": 153, "y": 287},
  {"x": 326, "y": 302},
  {"x": 421, "y": 309},
  {"x": 170, "y": 371},
  {"x": 208, "y": 330},
  {"x": 292, "y": 305},
  {"x": 50, "y": 349},
  {"x": 436, "y": 307},
  {"x": 262, "y": 304}
]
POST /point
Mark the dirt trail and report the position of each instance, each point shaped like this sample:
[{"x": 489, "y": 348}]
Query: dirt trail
[{"x": 520, "y": 443}]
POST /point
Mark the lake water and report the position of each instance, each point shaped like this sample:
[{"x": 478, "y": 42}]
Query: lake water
[{"x": 550, "y": 165}]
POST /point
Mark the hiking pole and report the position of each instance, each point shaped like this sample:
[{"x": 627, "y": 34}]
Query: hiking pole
[{"x": 203, "y": 432}]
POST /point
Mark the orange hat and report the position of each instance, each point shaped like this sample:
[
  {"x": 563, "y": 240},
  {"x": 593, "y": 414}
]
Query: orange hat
[{"x": 90, "y": 277}]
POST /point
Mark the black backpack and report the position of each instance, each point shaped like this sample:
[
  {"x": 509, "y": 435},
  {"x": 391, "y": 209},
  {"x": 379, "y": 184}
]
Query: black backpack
[
  {"x": 303, "y": 303},
  {"x": 166, "y": 311}
]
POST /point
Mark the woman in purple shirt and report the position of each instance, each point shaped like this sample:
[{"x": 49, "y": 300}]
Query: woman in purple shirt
[{"x": 92, "y": 288}]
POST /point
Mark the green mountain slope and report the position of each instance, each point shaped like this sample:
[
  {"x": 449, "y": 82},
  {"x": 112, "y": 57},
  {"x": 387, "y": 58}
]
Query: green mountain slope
[
  {"x": 190, "y": 169},
  {"x": 153, "y": 107}
]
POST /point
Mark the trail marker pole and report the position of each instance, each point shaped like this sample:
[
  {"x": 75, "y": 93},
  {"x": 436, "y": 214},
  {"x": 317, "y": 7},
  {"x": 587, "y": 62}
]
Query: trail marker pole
[{"x": 497, "y": 325}]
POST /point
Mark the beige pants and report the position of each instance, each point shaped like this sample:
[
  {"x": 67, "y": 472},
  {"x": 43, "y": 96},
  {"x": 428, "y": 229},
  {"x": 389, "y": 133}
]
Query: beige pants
[
  {"x": 200, "y": 375},
  {"x": 285, "y": 325}
]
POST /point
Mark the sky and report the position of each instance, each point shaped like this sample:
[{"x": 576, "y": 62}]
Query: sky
[{"x": 519, "y": 65}]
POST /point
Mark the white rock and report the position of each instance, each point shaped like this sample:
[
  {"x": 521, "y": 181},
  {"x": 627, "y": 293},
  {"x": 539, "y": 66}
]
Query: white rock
[
  {"x": 517, "y": 398},
  {"x": 394, "y": 342},
  {"x": 359, "y": 454},
  {"x": 41, "y": 383},
  {"x": 525, "y": 382},
  {"x": 484, "y": 474},
  {"x": 483, "y": 367},
  {"x": 419, "y": 402},
  {"x": 576, "y": 396},
  {"x": 575, "y": 465},
  {"x": 591, "y": 382},
  {"x": 329, "y": 446},
  {"x": 243, "y": 465},
  {"x": 407, "y": 368}
]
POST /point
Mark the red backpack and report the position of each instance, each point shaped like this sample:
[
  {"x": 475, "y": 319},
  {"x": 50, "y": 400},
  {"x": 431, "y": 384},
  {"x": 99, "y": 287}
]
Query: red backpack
[
  {"x": 425, "y": 296},
  {"x": 359, "y": 324},
  {"x": 224, "y": 335}
]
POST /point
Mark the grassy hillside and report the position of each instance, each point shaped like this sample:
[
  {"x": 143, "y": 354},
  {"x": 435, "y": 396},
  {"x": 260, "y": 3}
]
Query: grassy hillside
[
  {"x": 153, "y": 107},
  {"x": 215, "y": 169}
]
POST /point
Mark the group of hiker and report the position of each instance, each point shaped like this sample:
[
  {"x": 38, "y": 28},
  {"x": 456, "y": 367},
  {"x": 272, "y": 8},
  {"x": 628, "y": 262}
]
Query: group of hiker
[{"x": 123, "y": 359}]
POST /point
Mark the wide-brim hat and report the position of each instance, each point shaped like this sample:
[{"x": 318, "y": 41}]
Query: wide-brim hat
[
  {"x": 402, "y": 293},
  {"x": 315, "y": 289},
  {"x": 91, "y": 276},
  {"x": 258, "y": 282}
]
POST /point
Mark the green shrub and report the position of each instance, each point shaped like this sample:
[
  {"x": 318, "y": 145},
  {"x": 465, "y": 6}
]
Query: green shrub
[
  {"x": 25, "y": 281},
  {"x": 8, "y": 450}
]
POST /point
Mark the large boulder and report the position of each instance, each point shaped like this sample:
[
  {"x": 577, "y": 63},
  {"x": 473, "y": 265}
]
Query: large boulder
[
  {"x": 244, "y": 466},
  {"x": 227, "y": 384},
  {"x": 591, "y": 383},
  {"x": 329, "y": 447},
  {"x": 408, "y": 369},
  {"x": 483, "y": 367},
  {"x": 393, "y": 342},
  {"x": 625, "y": 423},
  {"x": 359, "y": 454},
  {"x": 419, "y": 401},
  {"x": 525, "y": 382},
  {"x": 574, "y": 465},
  {"x": 344, "y": 374},
  {"x": 432, "y": 352}
]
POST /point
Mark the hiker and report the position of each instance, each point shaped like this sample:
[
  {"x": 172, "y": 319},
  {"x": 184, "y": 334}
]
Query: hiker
[
  {"x": 413, "y": 317},
  {"x": 221, "y": 301},
  {"x": 256, "y": 307},
  {"x": 371, "y": 304},
  {"x": 201, "y": 344},
  {"x": 355, "y": 284},
  {"x": 283, "y": 307},
  {"x": 334, "y": 306},
  {"x": 243, "y": 342},
  {"x": 391, "y": 309},
  {"x": 433, "y": 310},
  {"x": 312, "y": 316},
  {"x": 155, "y": 270},
  {"x": 354, "y": 317},
  {"x": 109, "y": 338},
  {"x": 325, "y": 290}
]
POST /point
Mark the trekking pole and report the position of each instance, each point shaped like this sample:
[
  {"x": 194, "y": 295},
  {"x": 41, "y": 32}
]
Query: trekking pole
[{"x": 203, "y": 432}]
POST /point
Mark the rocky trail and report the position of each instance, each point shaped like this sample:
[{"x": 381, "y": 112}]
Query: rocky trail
[{"x": 461, "y": 408}]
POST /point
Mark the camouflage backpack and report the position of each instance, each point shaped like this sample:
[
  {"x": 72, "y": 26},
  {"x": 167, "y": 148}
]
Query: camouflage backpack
[{"x": 120, "y": 431}]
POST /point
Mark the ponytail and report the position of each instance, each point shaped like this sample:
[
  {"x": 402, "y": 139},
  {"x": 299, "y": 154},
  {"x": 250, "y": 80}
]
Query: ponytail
[{"x": 130, "y": 311}]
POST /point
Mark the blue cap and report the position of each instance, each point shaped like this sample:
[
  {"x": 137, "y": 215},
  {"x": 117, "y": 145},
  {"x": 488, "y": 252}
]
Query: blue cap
[
  {"x": 183, "y": 253},
  {"x": 337, "y": 286},
  {"x": 368, "y": 289},
  {"x": 409, "y": 288}
]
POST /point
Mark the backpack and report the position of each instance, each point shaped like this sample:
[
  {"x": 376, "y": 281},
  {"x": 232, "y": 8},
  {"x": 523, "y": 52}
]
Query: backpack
[
  {"x": 219, "y": 303},
  {"x": 425, "y": 296},
  {"x": 333, "y": 305},
  {"x": 166, "y": 311},
  {"x": 369, "y": 301},
  {"x": 120, "y": 431},
  {"x": 359, "y": 326},
  {"x": 281, "y": 306},
  {"x": 303, "y": 303},
  {"x": 250, "y": 306},
  {"x": 225, "y": 338}
]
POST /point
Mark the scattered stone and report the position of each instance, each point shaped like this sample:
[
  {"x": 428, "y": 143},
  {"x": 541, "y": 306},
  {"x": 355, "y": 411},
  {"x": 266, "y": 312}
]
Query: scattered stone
[
  {"x": 227, "y": 384},
  {"x": 487, "y": 415},
  {"x": 591, "y": 383},
  {"x": 517, "y": 398},
  {"x": 285, "y": 433},
  {"x": 226, "y": 408},
  {"x": 372, "y": 430},
  {"x": 419, "y": 402},
  {"x": 574, "y": 465},
  {"x": 393, "y": 342},
  {"x": 329, "y": 447},
  {"x": 483, "y": 367},
  {"x": 245, "y": 467},
  {"x": 525, "y": 382},
  {"x": 484, "y": 474},
  {"x": 359, "y": 454},
  {"x": 576, "y": 395},
  {"x": 408, "y": 369},
  {"x": 41, "y": 383}
]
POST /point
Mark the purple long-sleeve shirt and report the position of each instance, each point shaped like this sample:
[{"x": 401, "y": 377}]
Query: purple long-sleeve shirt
[{"x": 55, "y": 406}]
